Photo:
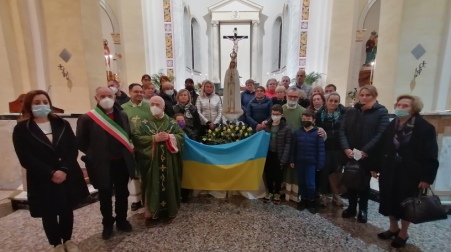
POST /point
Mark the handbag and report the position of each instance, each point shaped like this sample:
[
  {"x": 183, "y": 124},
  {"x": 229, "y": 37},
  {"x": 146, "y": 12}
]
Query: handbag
[
  {"x": 335, "y": 182},
  {"x": 354, "y": 176},
  {"x": 424, "y": 208}
]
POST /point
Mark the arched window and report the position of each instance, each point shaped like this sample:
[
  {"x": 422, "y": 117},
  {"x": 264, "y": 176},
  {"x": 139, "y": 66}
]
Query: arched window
[
  {"x": 276, "y": 45},
  {"x": 187, "y": 38},
  {"x": 196, "y": 65},
  {"x": 285, "y": 30}
]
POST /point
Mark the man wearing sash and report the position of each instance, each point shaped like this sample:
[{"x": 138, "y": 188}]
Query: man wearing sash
[
  {"x": 136, "y": 110},
  {"x": 159, "y": 142},
  {"x": 103, "y": 136}
]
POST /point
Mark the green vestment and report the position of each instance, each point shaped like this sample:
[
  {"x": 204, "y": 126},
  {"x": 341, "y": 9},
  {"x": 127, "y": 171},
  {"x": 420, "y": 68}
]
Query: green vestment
[
  {"x": 293, "y": 117},
  {"x": 136, "y": 113},
  {"x": 162, "y": 169}
]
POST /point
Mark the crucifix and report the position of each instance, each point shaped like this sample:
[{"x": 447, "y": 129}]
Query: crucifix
[{"x": 235, "y": 38}]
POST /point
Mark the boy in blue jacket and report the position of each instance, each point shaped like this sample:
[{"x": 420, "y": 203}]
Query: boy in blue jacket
[{"x": 307, "y": 156}]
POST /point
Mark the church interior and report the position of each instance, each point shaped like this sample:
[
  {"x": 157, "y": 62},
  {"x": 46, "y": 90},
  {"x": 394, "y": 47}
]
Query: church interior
[{"x": 70, "y": 47}]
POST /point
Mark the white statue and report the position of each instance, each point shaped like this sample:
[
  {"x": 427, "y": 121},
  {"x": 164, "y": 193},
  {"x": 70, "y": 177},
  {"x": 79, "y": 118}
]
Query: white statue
[{"x": 232, "y": 101}]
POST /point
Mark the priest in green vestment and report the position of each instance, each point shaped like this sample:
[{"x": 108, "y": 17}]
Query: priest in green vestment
[
  {"x": 136, "y": 110},
  {"x": 160, "y": 141}
]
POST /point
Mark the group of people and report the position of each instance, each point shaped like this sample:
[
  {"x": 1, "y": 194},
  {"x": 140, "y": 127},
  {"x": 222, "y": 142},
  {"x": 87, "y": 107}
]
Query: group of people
[{"x": 139, "y": 137}]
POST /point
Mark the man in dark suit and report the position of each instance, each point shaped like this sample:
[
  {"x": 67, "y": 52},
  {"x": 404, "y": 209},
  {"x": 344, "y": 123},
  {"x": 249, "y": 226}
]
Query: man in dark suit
[{"x": 103, "y": 135}]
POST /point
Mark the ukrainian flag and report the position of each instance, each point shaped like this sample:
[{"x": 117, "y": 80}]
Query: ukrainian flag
[{"x": 233, "y": 166}]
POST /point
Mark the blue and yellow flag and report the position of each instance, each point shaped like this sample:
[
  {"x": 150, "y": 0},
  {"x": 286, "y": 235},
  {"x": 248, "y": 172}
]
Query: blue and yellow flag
[{"x": 232, "y": 166}]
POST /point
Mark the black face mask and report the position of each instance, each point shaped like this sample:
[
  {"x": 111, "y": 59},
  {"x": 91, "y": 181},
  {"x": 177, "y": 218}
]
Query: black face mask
[
  {"x": 189, "y": 88},
  {"x": 306, "y": 123}
]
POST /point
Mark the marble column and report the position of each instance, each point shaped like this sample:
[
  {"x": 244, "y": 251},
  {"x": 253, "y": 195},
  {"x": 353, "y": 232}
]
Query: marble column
[
  {"x": 215, "y": 37},
  {"x": 255, "y": 52}
]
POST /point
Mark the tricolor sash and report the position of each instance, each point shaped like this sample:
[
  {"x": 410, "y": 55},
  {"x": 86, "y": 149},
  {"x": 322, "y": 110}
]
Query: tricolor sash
[{"x": 111, "y": 127}]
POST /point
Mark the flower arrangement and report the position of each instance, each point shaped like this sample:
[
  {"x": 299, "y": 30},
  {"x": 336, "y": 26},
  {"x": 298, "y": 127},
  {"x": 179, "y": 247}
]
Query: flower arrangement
[{"x": 227, "y": 133}]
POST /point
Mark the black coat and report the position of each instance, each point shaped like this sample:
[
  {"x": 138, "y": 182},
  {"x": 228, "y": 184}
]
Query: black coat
[
  {"x": 122, "y": 98},
  {"x": 283, "y": 140},
  {"x": 41, "y": 158},
  {"x": 362, "y": 130},
  {"x": 399, "y": 179},
  {"x": 94, "y": 141},
  {"x": 192, "y": 124},
  {"x": 169, "y": 102}
]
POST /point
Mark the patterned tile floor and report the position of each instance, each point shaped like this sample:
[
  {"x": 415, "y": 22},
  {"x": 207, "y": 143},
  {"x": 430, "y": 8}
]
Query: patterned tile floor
[{"x": 234, "y": 224}]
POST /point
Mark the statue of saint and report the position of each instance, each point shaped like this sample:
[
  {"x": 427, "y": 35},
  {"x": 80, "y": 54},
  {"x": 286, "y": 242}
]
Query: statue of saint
[
  {"x": 232, "y": 100},
  {"x": 371, "y": 48}
]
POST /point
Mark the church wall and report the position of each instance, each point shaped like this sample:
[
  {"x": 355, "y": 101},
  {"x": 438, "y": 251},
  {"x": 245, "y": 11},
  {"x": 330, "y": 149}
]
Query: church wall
[
  {"x": 75, "y": 26},
  {"x": 422, "y": 23}
]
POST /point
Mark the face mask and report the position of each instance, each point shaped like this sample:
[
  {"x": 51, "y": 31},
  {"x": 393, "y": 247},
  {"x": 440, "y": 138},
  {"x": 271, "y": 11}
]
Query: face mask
[
  {"x": 169, "y": 92},
  {"x": 190, "y": 88},
  {"x": 40, "y": 110},
  {"x": 401, "y": 113},
  {"x": 276, "y": 118},
  {"x": 156, "y": 111},
  {"x": 306, "y": 124},
  {"x": 106, "y": 103},
  {"x": 291, "y": 103},
  {"x": 182, "y": 124},
  {"x": 114, "y": 90}
]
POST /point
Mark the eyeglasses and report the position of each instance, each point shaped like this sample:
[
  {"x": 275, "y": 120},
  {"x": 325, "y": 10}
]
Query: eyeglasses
[
  {"x": 137, "y": 92},
  {"x": 293, "y": 97}
]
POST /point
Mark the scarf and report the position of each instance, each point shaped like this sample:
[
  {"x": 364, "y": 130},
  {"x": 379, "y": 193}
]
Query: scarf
[
  {"x": 403, "y": 132},
  {"x": 331, "y": 117},
  {"x": 186, "y": 108}
]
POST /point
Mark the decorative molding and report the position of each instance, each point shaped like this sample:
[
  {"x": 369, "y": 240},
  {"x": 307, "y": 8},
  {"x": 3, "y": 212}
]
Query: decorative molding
[
  {"x": 214, "y": 23},
  {"x": 305, "y": 13},
  {"x": 167, "y": 9},
  {"x": 255, "y": 22},
  {"x": 116, "y": 38}
]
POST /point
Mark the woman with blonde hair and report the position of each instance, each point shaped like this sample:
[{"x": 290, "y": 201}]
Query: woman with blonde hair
[
  {"x": 407, "y": 163},
  {"x": 209, "y": 105},
  {"x": 361, "y": 129}
]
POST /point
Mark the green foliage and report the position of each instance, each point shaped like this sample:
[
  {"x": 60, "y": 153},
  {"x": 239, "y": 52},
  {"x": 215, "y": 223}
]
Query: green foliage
[
  {"x": 156, "y": 78},
  {"x": 229, "y": 133},
  {"x": 312, "y": 77}
]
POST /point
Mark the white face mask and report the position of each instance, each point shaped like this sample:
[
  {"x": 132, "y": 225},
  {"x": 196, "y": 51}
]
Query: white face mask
[
  {"x": 114, "y": 90},
  {"x": 156, "y": 111},
  {"x": 291, "y": 104},
  {"x": 169, "y": 92},
  {"x": 106, "y": 103},
  {"x": 276, "y": 118}
]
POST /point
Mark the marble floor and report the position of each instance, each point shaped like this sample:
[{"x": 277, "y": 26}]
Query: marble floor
[{"x": 234, "y": 224}]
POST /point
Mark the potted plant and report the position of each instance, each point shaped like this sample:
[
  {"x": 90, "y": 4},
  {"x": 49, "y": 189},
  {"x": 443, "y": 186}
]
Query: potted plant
[
  {"x": 312, "y": 78},
  {"x": 156, "y": 78}
]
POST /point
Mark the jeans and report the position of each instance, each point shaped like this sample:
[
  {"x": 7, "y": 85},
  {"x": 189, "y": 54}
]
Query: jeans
[
  {"x": 119, "y": 182},
  {"x": 273, "y": 173},
  {"x": 306, "y": 181}
]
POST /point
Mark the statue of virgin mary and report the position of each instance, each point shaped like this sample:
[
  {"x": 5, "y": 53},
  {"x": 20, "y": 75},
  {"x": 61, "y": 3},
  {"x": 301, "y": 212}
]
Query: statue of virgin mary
[{"x": 232, "y": 103}]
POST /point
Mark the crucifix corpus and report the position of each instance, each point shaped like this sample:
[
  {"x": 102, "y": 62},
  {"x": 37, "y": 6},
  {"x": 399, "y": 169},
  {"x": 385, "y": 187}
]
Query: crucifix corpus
[{"x": 232, "y": 100}]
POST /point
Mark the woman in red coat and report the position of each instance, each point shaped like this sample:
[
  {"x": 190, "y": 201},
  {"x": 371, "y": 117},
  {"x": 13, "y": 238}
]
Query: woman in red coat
[{"x": 46, "y": 148}]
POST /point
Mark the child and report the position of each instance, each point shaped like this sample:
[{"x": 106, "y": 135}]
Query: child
[
  {"x": 307, "y": 156},
  {"x": 180, "y": 118},
  {"x": 278, "y": 153}
]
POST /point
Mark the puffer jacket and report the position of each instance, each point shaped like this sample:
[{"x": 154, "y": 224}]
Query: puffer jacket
[
  {"x": 210, "y": 108},
  {"x": 307, "y": 148},
  {"x": 258, "y": 111},
  {"x": 283, "y": 140}
]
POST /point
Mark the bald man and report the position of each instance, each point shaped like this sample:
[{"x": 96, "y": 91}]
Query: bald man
[
  {"x": 103, "y": 135},
  {"x": 168, "y": 94},
  {"x": 300, "y": 77},
  {"x": 158, "y": 144}
]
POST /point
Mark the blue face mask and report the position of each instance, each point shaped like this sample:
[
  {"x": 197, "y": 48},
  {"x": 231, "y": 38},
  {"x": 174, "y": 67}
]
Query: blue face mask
[
  {"x": 40, "y": 110},
  {"x": 182, "y": 124},
  {"x": 401, "y": 113}
]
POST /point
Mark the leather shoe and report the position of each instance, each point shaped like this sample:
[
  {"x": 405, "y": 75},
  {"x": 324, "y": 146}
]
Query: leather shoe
[
  {"x": 387, "y": 234},
  {"x": 135, "y": 206},
  {"x": 348, "y": 213},
  {"x": 362, "y": 217},
  {"x": 399, "y": 242},
  {"x": 107, "y": 232},
  {"x": 124, "y": 226}
]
